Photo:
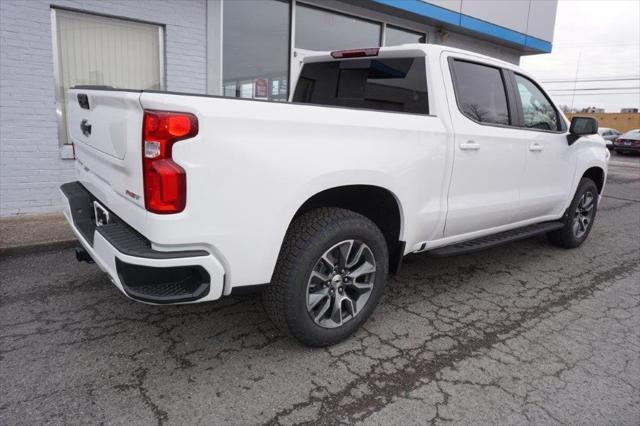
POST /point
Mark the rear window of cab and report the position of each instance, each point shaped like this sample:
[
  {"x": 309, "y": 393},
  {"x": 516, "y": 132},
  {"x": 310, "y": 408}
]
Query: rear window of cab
[{"x": 381, "y": 84}]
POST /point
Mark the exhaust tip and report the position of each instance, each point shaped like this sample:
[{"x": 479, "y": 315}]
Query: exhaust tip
[{"x": 82, "y": 255}]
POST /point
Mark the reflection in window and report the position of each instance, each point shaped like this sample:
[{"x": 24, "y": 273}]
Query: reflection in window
[
  {"x": 396, "y": 36},
  {"x": 323, "y": 30},
  {"x": 536, "y": 108},
  {"x": 256, "y": 49},
  {"x": 394, "y": 84},
  {"x": 480, "y": 92}
]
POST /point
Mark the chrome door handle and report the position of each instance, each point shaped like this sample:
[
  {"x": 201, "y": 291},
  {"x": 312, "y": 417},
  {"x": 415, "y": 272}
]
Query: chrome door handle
[
  {"x": 536, "y": 147},
  {"x": 470, "y": 145}
]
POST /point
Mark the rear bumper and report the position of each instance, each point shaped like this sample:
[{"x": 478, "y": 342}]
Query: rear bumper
[{"x": 139, "y": 271}]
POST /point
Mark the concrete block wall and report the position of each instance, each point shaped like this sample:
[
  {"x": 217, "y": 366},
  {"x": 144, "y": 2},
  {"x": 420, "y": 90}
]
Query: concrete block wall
[{"x": 31, "y": 169}]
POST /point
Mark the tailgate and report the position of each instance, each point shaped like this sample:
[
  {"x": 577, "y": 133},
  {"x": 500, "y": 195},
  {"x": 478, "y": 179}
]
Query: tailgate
[{"x": 105, "y": 127}]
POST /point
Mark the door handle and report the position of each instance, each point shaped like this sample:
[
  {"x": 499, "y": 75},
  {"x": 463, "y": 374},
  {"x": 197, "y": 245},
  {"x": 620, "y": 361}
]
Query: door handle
[
  {"x": 470, "y": 146},
  {"x": 536, "y": 147},
  {"x": 86, "y": 128}
]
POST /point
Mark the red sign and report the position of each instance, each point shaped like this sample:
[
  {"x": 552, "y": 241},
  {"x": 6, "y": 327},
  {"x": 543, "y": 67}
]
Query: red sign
[{"x": 260, "y": 88}]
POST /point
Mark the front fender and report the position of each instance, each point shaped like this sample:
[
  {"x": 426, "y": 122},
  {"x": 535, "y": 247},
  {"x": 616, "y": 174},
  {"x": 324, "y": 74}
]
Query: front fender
[{"x": 591, "y": 152}]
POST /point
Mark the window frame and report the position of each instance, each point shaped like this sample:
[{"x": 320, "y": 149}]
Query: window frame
[
  {"x": 66, "y": 149},
  {"x": 562, "y": 127},
  {"x": 506, "y": 83}
]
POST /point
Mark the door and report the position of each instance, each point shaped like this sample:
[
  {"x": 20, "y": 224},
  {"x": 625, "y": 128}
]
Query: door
[
  {"x": 550, "y": 161},
  {"x": 488, "y": 157}
]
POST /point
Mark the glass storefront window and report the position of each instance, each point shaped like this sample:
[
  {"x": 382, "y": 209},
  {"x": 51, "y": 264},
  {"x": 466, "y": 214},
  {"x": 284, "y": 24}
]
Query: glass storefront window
[
  {"x": 318, "y": 29},
  {"x": 395, "y": 36},
  {"x": 255, "y": 48}
]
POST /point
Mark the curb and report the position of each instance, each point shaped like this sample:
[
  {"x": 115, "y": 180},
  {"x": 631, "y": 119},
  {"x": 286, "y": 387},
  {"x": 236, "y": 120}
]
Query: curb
[{"x": 37, "y": 247}]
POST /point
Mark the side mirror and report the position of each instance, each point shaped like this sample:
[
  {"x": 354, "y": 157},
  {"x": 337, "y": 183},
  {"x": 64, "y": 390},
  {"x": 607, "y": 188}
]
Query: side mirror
[{"x": 581, "y": 126}]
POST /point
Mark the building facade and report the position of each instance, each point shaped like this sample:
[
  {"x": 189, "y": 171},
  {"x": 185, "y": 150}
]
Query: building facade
[{"x": 236, "y": 48}]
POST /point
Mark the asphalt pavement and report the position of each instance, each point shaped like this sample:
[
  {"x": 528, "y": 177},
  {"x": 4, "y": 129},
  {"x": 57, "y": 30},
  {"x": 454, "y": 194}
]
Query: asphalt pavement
[{"x": 525, "y": 333}]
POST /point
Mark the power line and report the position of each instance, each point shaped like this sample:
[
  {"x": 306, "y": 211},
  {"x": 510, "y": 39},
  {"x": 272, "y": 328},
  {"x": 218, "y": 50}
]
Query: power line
[
  {"x": 596, "y": 44},
  {"x": 594, "y": 94},
  {"x": 595, "y": 88},
  {"x": 592, "y": 80}
]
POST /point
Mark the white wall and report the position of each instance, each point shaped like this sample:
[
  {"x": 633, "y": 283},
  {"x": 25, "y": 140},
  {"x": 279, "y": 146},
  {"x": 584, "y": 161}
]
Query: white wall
[
  {"x": 532, "y": 17},
  {"x": 542, "y": 18},
  {"x": 512, "y": 14}
]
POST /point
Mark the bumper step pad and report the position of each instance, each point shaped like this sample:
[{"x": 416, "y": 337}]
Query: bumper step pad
[
  {"x": 131, "y": 243},
  {"x": 163, "y": 285}
]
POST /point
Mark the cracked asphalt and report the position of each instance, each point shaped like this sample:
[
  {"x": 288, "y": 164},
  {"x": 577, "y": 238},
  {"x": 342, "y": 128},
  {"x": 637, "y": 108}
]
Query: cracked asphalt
[{"x": 520, "y": 334}]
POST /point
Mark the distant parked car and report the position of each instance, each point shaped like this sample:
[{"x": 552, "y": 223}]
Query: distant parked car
[
  {"x": 609, "y": 135},
  {"x": 628, "y": 142}
]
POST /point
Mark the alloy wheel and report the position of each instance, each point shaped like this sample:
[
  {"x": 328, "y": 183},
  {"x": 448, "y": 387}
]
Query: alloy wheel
[
  {"x": 340, "y": 283},
  {"x": 583, "y": 214}
]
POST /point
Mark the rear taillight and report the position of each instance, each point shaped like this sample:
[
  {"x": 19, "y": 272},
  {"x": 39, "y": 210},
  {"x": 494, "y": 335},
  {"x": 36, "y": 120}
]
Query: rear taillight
[
  {"x": 165, "y": 182},
  {"x": 355, "y": 53}
]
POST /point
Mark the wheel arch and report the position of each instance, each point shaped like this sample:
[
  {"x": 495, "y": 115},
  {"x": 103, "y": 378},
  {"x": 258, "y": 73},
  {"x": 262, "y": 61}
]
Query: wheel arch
[
  {"x": 378, "y": 204},
  {"x": 597, "y": 174}
]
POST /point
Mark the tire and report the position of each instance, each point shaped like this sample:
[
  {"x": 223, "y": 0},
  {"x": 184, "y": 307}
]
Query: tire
[
  {"x": 288, "y": 300},
  {"x": 579, "y": 218}
]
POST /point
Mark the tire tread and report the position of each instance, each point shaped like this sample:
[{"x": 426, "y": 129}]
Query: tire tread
[{"x": 311, "y": 226}]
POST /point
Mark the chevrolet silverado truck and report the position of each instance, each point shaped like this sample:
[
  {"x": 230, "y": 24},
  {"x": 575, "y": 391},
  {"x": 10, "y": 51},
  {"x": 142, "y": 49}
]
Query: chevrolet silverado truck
[{"x": 380, "y": 152}]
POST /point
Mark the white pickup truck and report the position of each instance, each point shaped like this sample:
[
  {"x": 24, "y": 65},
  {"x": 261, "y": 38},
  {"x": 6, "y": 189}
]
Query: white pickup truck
[{"x": 380, "y": 153}]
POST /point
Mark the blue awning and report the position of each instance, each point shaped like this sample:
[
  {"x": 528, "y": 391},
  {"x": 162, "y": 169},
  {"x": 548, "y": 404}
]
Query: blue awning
[{"x": 455, "y": 19}]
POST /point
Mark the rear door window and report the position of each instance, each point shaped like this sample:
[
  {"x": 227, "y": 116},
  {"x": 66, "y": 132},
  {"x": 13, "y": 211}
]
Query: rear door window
[
  {"x": 394, "y": 84},
  {"x": 480, "y": 92}
]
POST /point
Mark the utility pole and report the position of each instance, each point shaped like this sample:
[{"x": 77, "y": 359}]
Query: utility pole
[{"x": 575, "y": 80}]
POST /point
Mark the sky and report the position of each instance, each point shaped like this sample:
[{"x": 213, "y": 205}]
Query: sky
[{"x": 593, "y": 40}]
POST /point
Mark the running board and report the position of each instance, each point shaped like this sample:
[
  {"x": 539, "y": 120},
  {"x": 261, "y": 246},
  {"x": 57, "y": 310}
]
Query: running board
[{"x": 496, "y": 239}]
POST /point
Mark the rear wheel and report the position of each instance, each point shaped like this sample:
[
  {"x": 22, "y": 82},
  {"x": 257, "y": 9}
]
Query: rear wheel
[
  {"x": 329, "y": 277},
  {"x": 579, "y": 217}
]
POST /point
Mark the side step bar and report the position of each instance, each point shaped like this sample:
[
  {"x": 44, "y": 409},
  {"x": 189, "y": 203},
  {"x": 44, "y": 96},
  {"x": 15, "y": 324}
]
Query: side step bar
[{"x": 496, "y": 239}]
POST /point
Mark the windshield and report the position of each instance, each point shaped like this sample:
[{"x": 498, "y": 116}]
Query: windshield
[{"x": 393, "y": 84}]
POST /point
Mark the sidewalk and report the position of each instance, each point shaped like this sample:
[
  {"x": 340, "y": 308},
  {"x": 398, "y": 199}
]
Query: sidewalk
[{"x": 28, "y": 233}]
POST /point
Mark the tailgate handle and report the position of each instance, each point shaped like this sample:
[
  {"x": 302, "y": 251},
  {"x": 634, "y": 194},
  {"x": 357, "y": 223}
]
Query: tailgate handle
[
  {"x": 83, "y": 100},
  {"x": 85, "y": 127}
]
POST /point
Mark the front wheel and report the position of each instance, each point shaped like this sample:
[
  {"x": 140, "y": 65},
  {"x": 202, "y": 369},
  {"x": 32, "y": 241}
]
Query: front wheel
[
  {"x": 330, "y": 275},
  {"x": 579, "y": 217}
]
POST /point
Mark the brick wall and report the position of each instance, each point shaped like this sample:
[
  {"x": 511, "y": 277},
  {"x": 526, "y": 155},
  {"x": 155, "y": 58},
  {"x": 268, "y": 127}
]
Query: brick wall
[{"x": 31, "y": 169}]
